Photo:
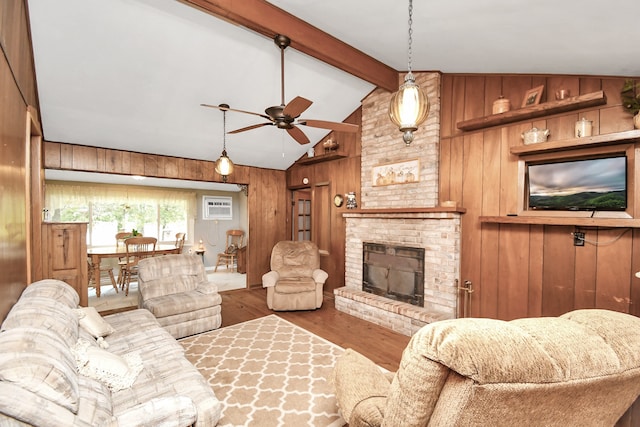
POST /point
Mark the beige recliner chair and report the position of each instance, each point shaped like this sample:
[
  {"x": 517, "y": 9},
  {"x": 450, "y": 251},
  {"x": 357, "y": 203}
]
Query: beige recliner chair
[
  {"x": 175, "y": 289},
  {"x": 579, "y": 369},
  {"x": 295, "y": 281}
]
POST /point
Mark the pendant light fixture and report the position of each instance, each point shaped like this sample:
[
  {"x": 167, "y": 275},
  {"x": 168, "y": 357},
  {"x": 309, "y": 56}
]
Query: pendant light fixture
[
  {"x": 224, "y": 165},
  {"x": 409, "y": 106}
]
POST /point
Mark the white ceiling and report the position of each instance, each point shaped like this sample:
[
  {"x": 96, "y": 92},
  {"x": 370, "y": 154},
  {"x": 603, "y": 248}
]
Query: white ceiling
[{"x": 131, "y": 74}]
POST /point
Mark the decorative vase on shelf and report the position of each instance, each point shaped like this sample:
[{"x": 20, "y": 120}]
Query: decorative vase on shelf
[
  {"x": 501, "y": 105},
  {"x": 636, "y": 121}
]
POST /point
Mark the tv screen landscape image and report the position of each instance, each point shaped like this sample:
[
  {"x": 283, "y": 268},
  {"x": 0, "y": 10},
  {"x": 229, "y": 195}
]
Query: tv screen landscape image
[{"x": 591, "y": 184}]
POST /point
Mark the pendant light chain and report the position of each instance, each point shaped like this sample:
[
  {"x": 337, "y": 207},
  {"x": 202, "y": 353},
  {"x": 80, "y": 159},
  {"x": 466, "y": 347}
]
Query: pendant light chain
[
  {"x": 410, "y": 32},
  {"x": 224, "y": 130}
]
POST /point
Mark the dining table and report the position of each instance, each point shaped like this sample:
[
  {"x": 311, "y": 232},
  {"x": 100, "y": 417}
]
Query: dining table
[{"x": 98, "y": 253}]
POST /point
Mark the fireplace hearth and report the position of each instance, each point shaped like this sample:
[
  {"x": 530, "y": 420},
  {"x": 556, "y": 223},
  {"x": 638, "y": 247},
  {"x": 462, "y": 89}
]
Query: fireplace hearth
[{"x": 394, "y": 272}]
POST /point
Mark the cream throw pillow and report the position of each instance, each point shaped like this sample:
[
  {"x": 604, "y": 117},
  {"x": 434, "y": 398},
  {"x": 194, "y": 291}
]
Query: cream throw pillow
[
  {"x": 114, "y": 371},
  {"x": 93, "y": 323}
]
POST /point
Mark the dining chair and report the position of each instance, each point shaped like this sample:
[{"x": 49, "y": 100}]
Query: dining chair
[
  {"x": 180, "y": 238},
  {"x": 235, "y": 240},
  {"x": 136, "y": 248},
  {"x": 96, "y": 281},
  {"x": 121, "y": 236}
]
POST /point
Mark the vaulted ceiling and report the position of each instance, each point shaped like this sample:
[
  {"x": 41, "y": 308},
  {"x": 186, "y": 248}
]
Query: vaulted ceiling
[{"x": 131, "y": 74}]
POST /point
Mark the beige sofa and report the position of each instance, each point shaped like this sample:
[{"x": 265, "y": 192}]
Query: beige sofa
[
  {"x": 45, "y": 341},
  {"x": 175, "y": 289},
  {"x": 579, "y": 369}
]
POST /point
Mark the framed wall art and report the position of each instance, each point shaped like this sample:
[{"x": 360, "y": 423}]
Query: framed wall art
[
  {"x": 532, "y": 96},
  {"x": 396, "y": 173}
]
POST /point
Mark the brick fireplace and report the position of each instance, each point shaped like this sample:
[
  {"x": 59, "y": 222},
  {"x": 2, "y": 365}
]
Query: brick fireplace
[{"x": 402, "y": 214}]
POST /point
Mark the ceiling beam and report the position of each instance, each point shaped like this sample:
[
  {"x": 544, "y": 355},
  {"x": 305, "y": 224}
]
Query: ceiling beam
[{"x": 268, "y": 20}]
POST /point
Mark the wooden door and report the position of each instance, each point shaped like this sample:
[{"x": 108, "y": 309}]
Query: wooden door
[{"x": 301, "y": 215}]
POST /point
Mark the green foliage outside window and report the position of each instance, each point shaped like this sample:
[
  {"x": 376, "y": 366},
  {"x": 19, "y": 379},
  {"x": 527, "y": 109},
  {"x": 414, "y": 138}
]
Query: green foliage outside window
[{"x": 110, "y": 209}]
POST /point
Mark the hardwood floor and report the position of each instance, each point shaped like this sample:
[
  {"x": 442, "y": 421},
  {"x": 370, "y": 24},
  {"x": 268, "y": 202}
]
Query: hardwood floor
[{"x": 381, "y": 345}]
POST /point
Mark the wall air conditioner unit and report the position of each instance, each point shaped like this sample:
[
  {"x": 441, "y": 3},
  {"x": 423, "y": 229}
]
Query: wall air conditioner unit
[{"x": 217, "y": 208}]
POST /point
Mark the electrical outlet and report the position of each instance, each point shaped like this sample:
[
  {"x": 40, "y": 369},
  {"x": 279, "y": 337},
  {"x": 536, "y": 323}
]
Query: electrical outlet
[{"x": 578, "y": 238}]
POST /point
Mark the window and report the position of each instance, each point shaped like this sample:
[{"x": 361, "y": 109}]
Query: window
[{"x": 159, "y": 213}]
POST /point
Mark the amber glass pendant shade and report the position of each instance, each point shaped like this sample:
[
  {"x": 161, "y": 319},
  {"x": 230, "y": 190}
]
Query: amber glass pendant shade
[{"x": 409, "y": 108}]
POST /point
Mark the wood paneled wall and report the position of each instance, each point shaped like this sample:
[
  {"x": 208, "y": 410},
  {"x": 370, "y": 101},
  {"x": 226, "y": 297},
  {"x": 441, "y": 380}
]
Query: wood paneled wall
[
  {"x": 266, "y": 200},
  {"x": 341, "y": 175},
  {"x": 18, "y": 89},
  {"x": 520, "y": 270}
]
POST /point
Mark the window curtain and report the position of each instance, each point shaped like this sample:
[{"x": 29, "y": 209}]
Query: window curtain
[
  {"x": 65, "y": 201},
  {"x": 61, "y": 194}
]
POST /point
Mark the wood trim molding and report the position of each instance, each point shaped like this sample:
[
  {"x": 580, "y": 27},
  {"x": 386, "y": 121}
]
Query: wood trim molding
[{"x": 266, "y": 19}]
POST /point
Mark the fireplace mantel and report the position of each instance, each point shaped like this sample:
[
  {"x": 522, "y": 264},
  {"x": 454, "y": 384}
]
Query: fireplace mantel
[{"x": 403, "y": 212}]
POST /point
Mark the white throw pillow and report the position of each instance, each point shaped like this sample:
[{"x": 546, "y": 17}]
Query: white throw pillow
[
  {"x": 114, "y": 371},
  {"x": 93, "y": 323}
]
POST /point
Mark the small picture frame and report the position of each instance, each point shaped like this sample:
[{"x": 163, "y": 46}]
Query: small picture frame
[{"x": 532, "y": 96}]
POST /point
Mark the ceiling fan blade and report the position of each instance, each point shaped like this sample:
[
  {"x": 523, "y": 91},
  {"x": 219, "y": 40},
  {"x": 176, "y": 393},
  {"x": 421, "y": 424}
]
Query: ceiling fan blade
[
  {"x": 237, "y": 111},
  {"x": 296, "y": 106},
  {"x": 338, "y": 127},
  {"x": 298, "y": 135},
  {"x": 259, "y": 125}
]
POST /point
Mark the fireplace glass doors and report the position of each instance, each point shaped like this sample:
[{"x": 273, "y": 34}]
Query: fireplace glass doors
[{"x": 395, "y": 272}]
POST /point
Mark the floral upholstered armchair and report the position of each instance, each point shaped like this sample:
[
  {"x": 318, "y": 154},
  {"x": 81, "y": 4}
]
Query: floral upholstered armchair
[{"x": 295, "y": 281}]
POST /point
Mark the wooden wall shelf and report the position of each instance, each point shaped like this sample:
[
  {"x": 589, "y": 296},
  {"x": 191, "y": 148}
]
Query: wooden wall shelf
[
  {"x": 547, "y": 220},
  {"x": 631, "y": 136},
  {"x": 545, "y": 109},
  {"x": 321, "y": 158},
  {"x": 401, "y": 211}
]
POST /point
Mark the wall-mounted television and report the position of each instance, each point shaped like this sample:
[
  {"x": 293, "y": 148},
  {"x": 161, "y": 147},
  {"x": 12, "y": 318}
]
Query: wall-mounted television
[{"x": 594, "y": 184}]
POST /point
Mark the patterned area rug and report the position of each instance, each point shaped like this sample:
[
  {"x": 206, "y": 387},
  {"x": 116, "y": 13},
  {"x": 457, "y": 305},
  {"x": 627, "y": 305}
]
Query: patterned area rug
[{"x": 268, "y": 372}]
